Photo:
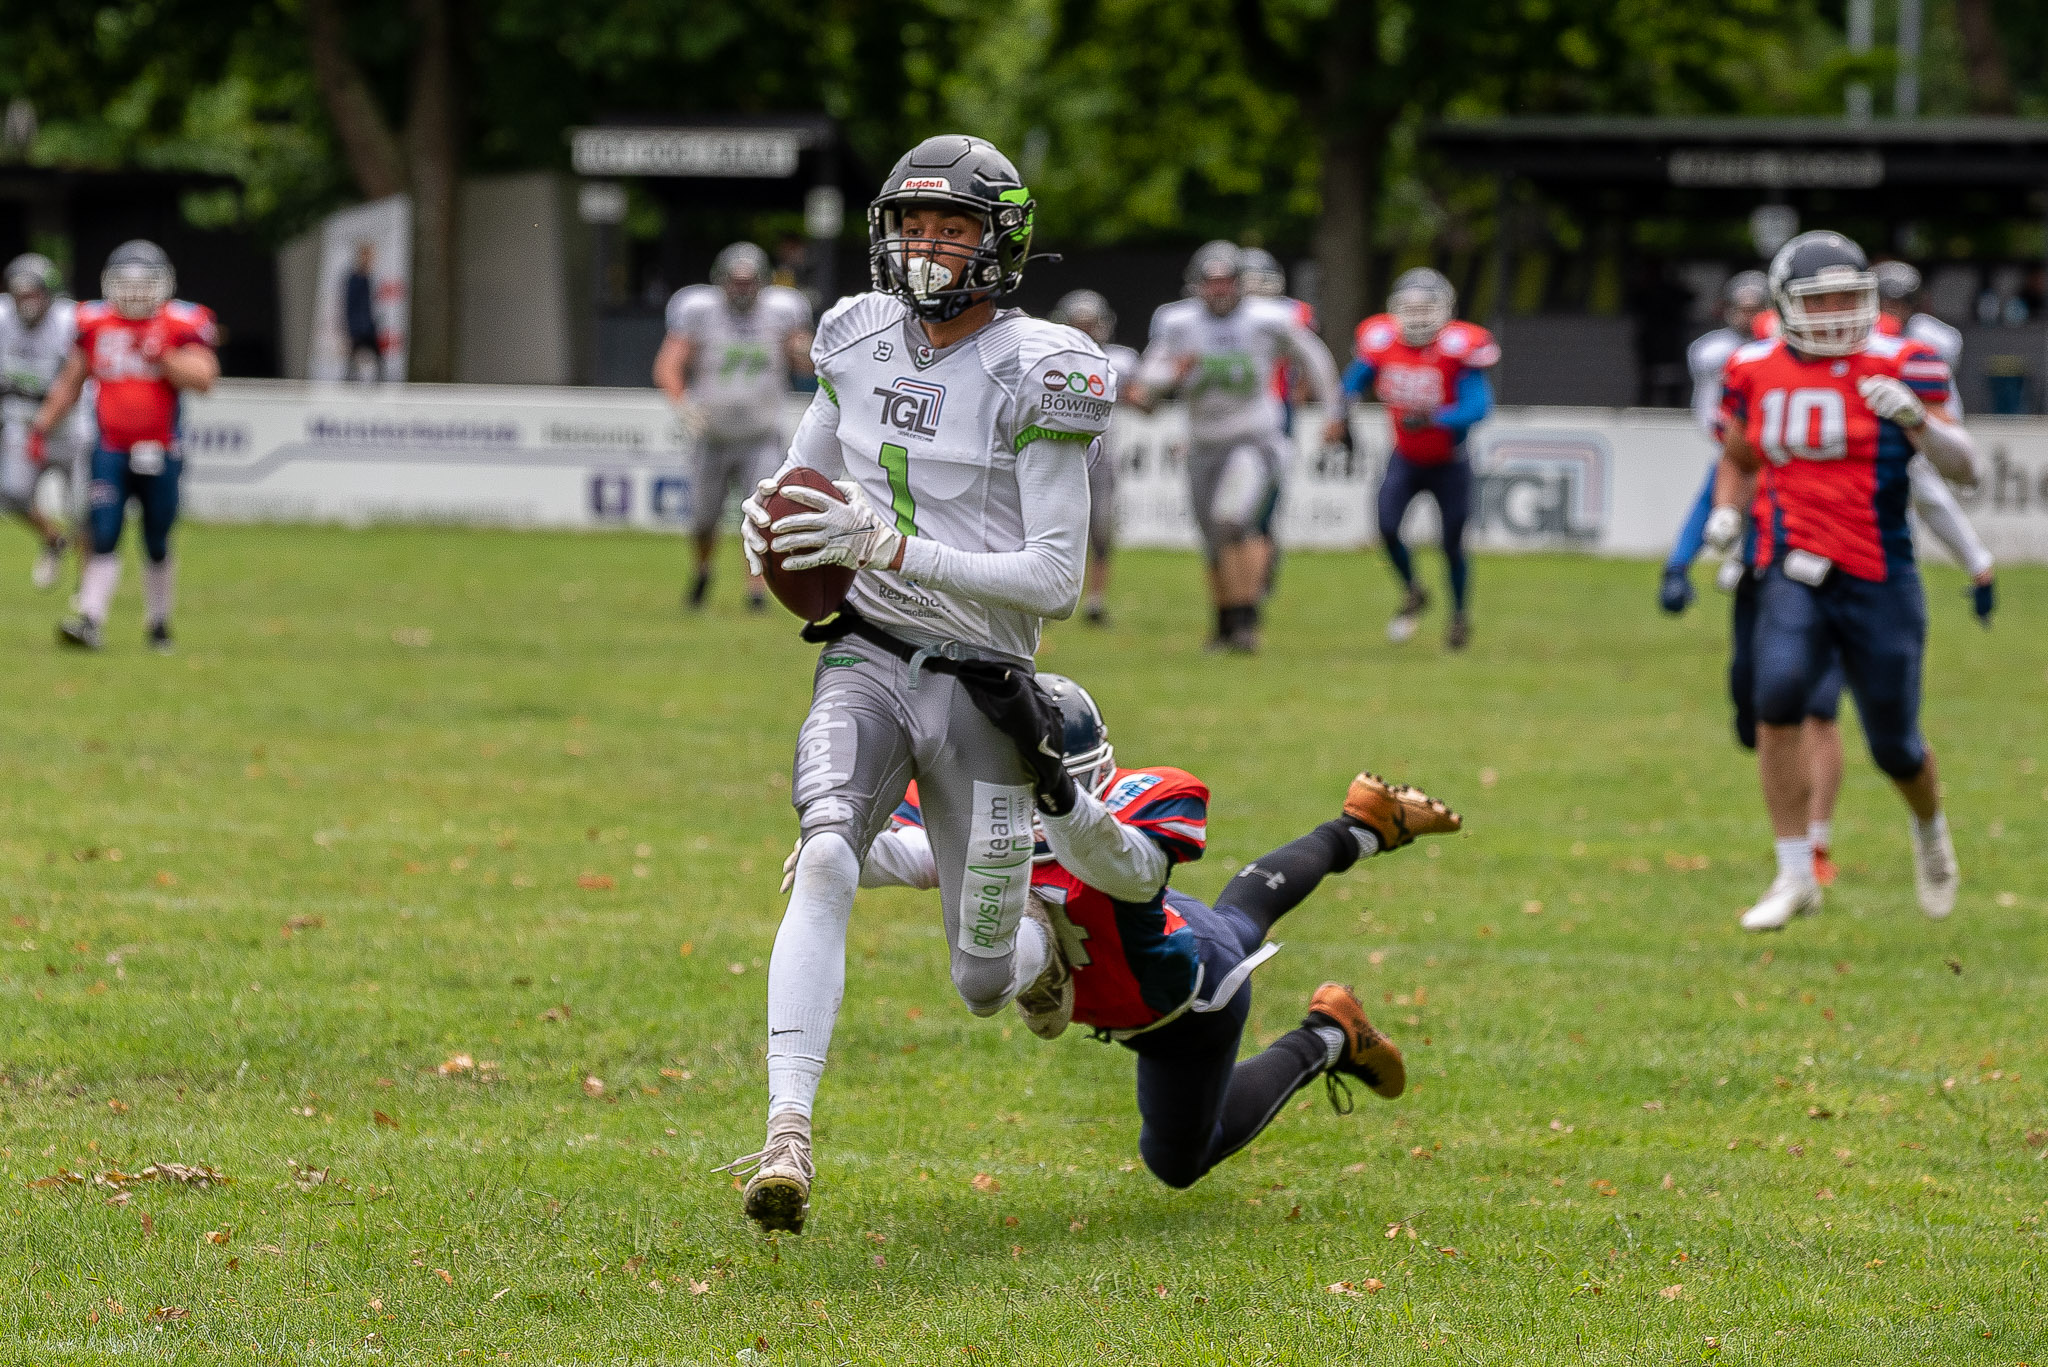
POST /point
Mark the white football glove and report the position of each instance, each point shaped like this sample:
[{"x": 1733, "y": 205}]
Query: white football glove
[
  {"x": 754, "y": 526},
  {"x": 851, "y": 533},
  {"x": 1724, "y": 529},
  {"x": 1893, "y": 401},
  {"x": 690, "y": 414}
]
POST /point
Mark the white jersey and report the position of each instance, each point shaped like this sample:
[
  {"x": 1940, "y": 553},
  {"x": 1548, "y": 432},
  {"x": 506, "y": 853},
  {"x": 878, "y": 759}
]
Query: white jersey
[
  {"x": 1229, "y": 391},
  {"x": 1124, "y": 361},
  {"x": 1707, "y": 359},
  {"x": 739, "y": 362},
  {"x": 932, "y": 437},
  {"x": 1946, "y": 341},
  {"x": 30, "y": 357}
]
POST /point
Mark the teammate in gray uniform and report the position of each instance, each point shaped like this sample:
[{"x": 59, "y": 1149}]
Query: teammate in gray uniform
[
  {"x": 1090, "y": 312},
  {"x": 725, "y": 365},
  {"x": 37, "y": 331},
  {"x": 959, "y": 434},
  {"x": 1219, "y": 349}
]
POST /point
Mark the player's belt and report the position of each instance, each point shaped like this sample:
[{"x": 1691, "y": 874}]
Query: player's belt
[{"x": 848, "y": 621}]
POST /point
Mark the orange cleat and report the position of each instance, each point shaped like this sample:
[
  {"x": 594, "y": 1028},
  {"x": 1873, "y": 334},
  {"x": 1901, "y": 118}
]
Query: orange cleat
[
  {"x": 1367, "y": 1055},
  {"x": 1824, "y": 869},
  {"x": 1396, "y": 812}
]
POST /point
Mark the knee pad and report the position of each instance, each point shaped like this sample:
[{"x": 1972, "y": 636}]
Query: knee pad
[
  {"x": 983, "y": 984},
  {"x": 826, "y": 869}
]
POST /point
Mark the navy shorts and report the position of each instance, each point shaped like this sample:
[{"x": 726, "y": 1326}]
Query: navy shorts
[
  {"x": 1878, "y": 630},
  {"x": 114, "y": 482},
  {"x": 1823, "y": 700}
]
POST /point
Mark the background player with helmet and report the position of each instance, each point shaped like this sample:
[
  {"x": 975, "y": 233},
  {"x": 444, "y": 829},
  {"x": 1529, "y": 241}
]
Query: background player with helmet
[
  {"x": 725, "y": 365},
  {"x": 38, "y": 328},
  {"x": 1821, "y": 424},
  {"x": 959, "y": 436},
  {"x": 1163, "y": 974},
  {"x": 1430, "y": 372},
  {"x": 143, "y": 348},
  {"x": 1091, "y": 313},
  {"x": 1218, "y": 350}
]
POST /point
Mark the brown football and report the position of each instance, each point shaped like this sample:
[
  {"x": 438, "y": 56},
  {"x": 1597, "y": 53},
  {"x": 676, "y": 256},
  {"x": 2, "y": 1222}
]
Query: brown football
[{"x": 812, "y": 594}]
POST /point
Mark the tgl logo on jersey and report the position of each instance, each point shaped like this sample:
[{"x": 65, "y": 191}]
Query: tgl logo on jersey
[{"x": 913, "y": 406}]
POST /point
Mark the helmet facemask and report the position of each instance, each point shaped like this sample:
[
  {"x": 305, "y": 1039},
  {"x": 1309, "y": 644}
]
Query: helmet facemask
[
  {"x": 941, "y": 280},
  {"x": 32, "y": 299},
  {"x": 137, "y": 291},
  {"x": 1421, "y": 313},
  {"x": 1829, "y": 332}
]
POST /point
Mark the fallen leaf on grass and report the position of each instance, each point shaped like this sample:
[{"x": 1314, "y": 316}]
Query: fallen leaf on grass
[
  {"x": 593, "y": 1085},
  {"x": 1819, "y": 1113},
  {"x": 444, "y": 1275},
  {"x": 299, "y": 923},
  {"x": 1824, "y": 1195},
  {"x": 219, "y": 1236},
  {"x": 596, "y": 882},
  {"x": 985, "y": 1184},
  {"x": 58, "y": 1179},
  {"x": 306, "y": 1178},
  {"x": 556, "y": 1013},
  {"x": 117, "y": 1106},
  {"x": 386, "y": 1121},
  {"x": 698, "y": 1288},
  {"x": 148, "y": 1223},
  {"x": 456, "y": 1064},
  {"x": 1672, "y": 1293},
  {"x": 1653, "y": 1105},
  {"x": 170, "y": 1312}
]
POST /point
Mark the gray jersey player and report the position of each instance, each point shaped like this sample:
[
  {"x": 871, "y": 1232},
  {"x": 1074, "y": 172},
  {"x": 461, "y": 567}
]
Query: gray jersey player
[
  {"x": 37, "y": 331},
  {"x": 726, "y": 364},
  {"x": 1219, "y": 350},
  {"x": 959, "y": 434},
  {"x": 1091, "y": 313}
]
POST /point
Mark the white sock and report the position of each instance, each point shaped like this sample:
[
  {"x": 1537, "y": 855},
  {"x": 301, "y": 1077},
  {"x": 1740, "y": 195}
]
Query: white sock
[
  {"x": 1795, "y": 858},
  {"x": 1932, "y": 829},
  {"x": 1368, "y": 841},
  {"x": 1333, "y": 1041},
  {"x": 1821, "y": 833},
  {"x": 807, "y": 972},
  {"x": 96, "y": 585},
  {"x": 1030, "y": 957},
  {"x": 156, "y": 591}
]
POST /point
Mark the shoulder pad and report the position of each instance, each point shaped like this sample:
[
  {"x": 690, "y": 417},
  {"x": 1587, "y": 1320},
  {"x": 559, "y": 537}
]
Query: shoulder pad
[
  {"x": 853, "y": 318},
  {"x": 1134, "y": 789},
  {"x": 1886, "y": 345},
  {"x": 1063, "y": 382},
  {"x": 1753, "y": 351},
  {"x": 1469, "y": 343},
  {"x": 1377, "y": 333}
]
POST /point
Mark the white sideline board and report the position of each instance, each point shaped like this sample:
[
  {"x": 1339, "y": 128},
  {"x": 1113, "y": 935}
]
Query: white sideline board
[{"x": 1605, "y": 481}]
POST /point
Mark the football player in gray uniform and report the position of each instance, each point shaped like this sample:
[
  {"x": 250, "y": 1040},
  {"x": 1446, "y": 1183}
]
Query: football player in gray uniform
[
  {"x": 725, "y": 365},
  {"x": 1090, "y": 312},
  {"x": 959, "y": 434},
  {"x": 1219, "y": 350},
  {"x": 37, "y": 330}
]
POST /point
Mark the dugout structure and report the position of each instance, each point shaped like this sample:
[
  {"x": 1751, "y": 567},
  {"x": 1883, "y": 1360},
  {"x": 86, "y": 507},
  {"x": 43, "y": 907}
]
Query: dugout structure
[{"x": 1612, "y": 236}]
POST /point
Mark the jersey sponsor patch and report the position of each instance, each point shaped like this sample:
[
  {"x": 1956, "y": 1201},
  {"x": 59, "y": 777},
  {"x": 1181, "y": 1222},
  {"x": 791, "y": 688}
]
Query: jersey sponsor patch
[
  {"x": 1129, "y": 788},
  {"x": 997, "y": 877}
]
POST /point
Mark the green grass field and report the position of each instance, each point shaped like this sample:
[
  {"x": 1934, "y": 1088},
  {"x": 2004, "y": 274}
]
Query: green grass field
[{"x": 426, "y": 893}]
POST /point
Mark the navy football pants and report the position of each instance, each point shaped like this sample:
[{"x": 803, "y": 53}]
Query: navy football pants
[
  {"x": 1823, "y": 700},
  {"x": 1879, "y": 630},
  {"x": 1198, "y": 1103},
  {"x": 1450, "y": 484},
  {"x": 113, "y": 484}
]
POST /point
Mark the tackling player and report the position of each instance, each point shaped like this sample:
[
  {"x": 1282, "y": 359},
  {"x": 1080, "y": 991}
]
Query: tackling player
[
  {"x": 1430, "y": 372},
  {"x": 1159, "y": 972},
  {"x": 38, "y": 328},
  {"x": 1898, "y": 294},
  {"x": 1821, "y": 424},
  {"x": 1218, "y": 349},
  {"x": 145, "y": 350},
  {"x": 725, "y": 365},
  {"x": 1090, "y": 312},
  {"x": 959, "y": 434}
]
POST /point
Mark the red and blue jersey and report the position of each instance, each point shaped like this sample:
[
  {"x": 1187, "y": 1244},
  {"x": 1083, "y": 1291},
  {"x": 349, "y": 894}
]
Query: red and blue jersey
[
  {"x": 125, "y": 356},
  {"x": 1137, "y": 961},
  {"x": 1284, "y": 383},
  {"x": 1426, "y": 379},
  {"x": 1834, "y": 480}
]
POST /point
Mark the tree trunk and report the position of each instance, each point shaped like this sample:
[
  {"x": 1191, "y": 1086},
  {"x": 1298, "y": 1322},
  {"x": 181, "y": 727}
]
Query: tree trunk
[
  {"x": 1990, "y": 82},
  {"x": 432, "y": 149},
  {"x": 1344, "y": 234},
  {"x": 367, "y": 142}
]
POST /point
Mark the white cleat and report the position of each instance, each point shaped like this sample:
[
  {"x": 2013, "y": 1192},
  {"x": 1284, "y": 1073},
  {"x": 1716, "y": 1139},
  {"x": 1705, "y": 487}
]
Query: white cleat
[
  {"x": 1047, "y": 1004},
  {"x": 1401, "y": 628},
  {"x": 778, "y": 1192},
  {"x": 1935, "y": 875},
  {"x": 49, "y": 564},
  {"x": 1790, "y": 895}
]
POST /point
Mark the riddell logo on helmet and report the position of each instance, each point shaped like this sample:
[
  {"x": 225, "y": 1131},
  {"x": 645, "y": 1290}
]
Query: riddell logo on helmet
[{"x": 925, "y": 183}]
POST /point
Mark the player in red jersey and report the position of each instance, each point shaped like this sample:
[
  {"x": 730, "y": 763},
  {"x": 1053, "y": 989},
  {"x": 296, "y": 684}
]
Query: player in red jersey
[
  {"x": 1430, "y": 372},
  {"x": 145, "y": 349},
  {"x": 1820, "y": 425},
  {"x": 1159, "y": 972}
]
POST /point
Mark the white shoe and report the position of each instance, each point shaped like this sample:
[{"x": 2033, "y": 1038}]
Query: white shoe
[
  {"x": 778, "y": 1193},
  {"x": 1047, "y": 1004},
  {"x": 1935, "y": 875},
  {"x": 48, "y": 566},
  {"x": 1790, "y": 895}
]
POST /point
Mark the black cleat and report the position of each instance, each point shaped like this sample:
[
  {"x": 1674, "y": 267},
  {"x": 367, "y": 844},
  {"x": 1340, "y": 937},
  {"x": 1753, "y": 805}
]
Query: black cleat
[
  {"x": 159, "y": 637},
  {"x": 79, "y": 631},
  {"x": 1095, "y": 615},
  {"x": 1458, "y": 634},
  {"x": 699, "y": 588},
  {"x": 757, "y": 602}
]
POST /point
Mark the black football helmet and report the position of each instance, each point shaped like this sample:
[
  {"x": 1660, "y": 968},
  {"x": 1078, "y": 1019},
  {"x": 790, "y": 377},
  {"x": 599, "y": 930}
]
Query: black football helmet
[
  {"x": 740, "y": 270},
  {"x": 34, "y": 281},
  {"x": 1085, "y": 738},
  {"x": 1088, "y": 311},
  {"x": 964, "y": 175},
  {"x": 1423, "y": 302},
  {"x": 1816, "y": 263},
  {"x": 138, "y": 279}
]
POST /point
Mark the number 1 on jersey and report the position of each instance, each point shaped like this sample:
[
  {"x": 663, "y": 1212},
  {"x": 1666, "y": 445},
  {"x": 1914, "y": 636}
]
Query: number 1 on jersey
[{"x": 896, "y": 465}]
